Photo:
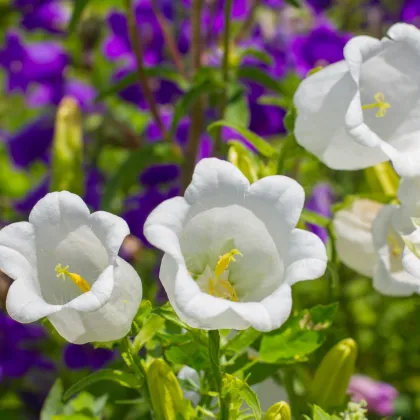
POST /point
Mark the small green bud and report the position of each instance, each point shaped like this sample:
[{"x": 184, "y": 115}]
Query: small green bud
[
  {"x": 278, "y": 411},
  {"x": 239, "y": 156},
  {"x": 67, "y": 169},
  {"x": 165, "y": 392},
  {"x": 329, "y": 387}
]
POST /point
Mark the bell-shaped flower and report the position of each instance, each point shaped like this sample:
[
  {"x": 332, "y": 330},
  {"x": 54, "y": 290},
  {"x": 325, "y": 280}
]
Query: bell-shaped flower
[
  {"x": 65, "y": 266},
  {"x": 364, "y": 109},
  {"x": 393, "y": 234},
  {"x": 353, "y": 231},
  {"x": 231, "y": 249}
]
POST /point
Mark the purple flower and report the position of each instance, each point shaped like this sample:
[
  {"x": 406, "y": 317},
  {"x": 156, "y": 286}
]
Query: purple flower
[
  {"x": 32, "y": 142},
  {"x": 380, "y": 396},
  {"x": 320, "y": 202},
  {"x": 410, "y": 12},
  {"x": 159, "y": 174},
  {"x": 320, "y": 47},
  {"x": 86, "y": 357},
  {"x": 320, "y": 5},
  {"x": 49, "y": 15},
  {"x": 34, "y": 62},
  {"x": 19, "y": 348},
  {"x": 138, "y": 208}
]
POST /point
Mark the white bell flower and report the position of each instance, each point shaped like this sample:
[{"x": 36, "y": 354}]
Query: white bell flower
[
  {"x": 231, "y": 248},
  {"x": 65, "y": 266},
  {"x": 365, "y": 109},
  {"x": 353, "y": 231}
]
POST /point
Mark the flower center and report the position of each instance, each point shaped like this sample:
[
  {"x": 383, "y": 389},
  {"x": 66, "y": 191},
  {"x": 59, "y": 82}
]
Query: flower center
[
  {"x": 77, "y": 279},
  {"x": 219, "y": 285},
  {"x": 380, "y": 103},
  {"x": 394, "y": 245}
]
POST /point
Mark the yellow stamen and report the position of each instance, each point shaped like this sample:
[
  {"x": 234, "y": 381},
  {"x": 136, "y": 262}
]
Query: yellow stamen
[
  {"x": 225, "y": 260},
  {"x": 77, "y": 279},
  {"x": 394, "y": 246},
  {"x": 380, "y": 103}
]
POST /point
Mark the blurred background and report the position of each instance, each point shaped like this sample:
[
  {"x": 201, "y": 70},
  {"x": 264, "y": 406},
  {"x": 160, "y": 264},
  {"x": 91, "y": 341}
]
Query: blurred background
[{"x": 55, "y": 49}]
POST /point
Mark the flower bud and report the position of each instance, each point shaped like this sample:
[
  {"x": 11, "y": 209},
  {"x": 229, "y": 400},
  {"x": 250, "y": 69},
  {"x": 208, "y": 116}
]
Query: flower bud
[
  {"x": 165, "y": 391},
  {"x": 329, "y": 387},
  {"x": 278, "y": 411},
  {"x": 67, "y": 170}
]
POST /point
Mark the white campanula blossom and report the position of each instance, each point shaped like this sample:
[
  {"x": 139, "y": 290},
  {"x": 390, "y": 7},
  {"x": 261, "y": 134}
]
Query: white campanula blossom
[
  {"x": 232, "y": 251},
  {"x": 353, "y": 232},
  {"x": 365, "y": 109},
  {"x": 65, "y": 266}
]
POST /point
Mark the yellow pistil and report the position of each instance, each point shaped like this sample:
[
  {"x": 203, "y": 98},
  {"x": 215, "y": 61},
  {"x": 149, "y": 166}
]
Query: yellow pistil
[
  {"x": 380, "y": 103},
  {"x": 394, "y": 246},
  {"x": 77, "y": 279},
  {"x": 216, "y": 283}
]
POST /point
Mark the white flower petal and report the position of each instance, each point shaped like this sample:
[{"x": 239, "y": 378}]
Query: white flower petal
[
  {"x": 394, "y": 284},
  {"x": 215, "y": 183},
  {"x": 322, "y": 102},
  {"x": 110, "y": 230},
  {"x": 307, "y": 257},
  {"x": 111, "y": 321},
  {"x": 165, "y": 223},
  {"x": 411, "y": 262},
  {"x": 278, "y": 202}
]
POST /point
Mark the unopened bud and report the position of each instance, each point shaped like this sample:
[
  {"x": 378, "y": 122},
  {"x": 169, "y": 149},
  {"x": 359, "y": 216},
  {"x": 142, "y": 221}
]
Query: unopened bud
[
  {"x": 329, "y": 387},
  {"x": 165, "y": 392},
  {"x": 67, "y": 170},
  {"x": 278, "y": 411}
]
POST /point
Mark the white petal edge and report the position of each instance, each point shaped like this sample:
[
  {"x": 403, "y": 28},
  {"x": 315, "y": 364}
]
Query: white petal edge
[
  {"x": 110, "y": 322},
  {"x": 306, "y": 259},
  {"x": 110, "y": 230}
]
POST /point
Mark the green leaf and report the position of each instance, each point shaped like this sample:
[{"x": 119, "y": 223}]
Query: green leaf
[
  {"x": 259, "y": 76},
  {"x": 290, "y": 119},
  {"x": 237, "y": 111},
  {"x": 183, "y": 106},
  {"x": 150, "y": 327},
  {"x": 251, "y": 399},
  {"x": 53, "y": 403},
  {"x": 242, "y": 341},
  {"x": 78, "y": 8},
  {"x": 260, "y": 55},
  {"x": 258, "y": 142},
  {"x": 126, "y": 175},
  {"x": 314, "y": 218},
  {"x": 301, "y": 335},
  {"x": 167, "y": 312},
  {"x": 124, "y": 379},
  {"x": 320, "y": 414},
  {"x": 279, "y": 101},
  {"x": 161, "y": 72}
]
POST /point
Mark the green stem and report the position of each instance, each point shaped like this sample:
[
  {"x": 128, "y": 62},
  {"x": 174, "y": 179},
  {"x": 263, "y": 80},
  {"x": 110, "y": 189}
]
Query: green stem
[
  {"x": 141, "y": 73},
  {"x": 288, "y": 382},
  {"x": 225, "y": 73},
  {"x": 214, "y": 354},
  {"x": 287, "y": 146}
]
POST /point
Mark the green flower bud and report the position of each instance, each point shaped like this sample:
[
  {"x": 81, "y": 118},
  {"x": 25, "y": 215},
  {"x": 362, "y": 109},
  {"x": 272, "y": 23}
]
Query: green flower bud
[
  {"x": 278, "y": 411},
  {"x": 329, "y": 387},
  {"x": 67, "y": 170},
  {"x": 165, "y": 392}
]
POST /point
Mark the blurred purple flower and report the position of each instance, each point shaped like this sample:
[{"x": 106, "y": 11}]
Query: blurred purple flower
[
  {"x": 138, "y": 208},
  {"x": 32, "y": 62},
  {"x": 19, "y": 348},
  {"x": 320, "y": 5},
  {"x": 380, "y": 396},
  {"x": 410, "y": 12},
  {"x": 49, "y": 15},
  {"x": 159, "y": 174},
  {"x": 320, "y": 47},
  {"x": 320, "y": 201},
  {"x": 86, "y": 357}
]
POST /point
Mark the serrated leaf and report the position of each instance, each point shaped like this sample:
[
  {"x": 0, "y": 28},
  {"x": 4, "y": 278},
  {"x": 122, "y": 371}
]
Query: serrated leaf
[
  {"x": 314, "y": 218},
  {"x": 301, "y": 335},
  {"x": 124, "y": 379},
  {"x": 53, "y": 403},
  {"x": 127, "y": 173},
  {"x": 320, "y": 414},
  {"x": 78, "y": 8},
  {"x": 151, "y": 326},
  {"x": 167, "y": 312},
  {"x": 258, "y": 142}
]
